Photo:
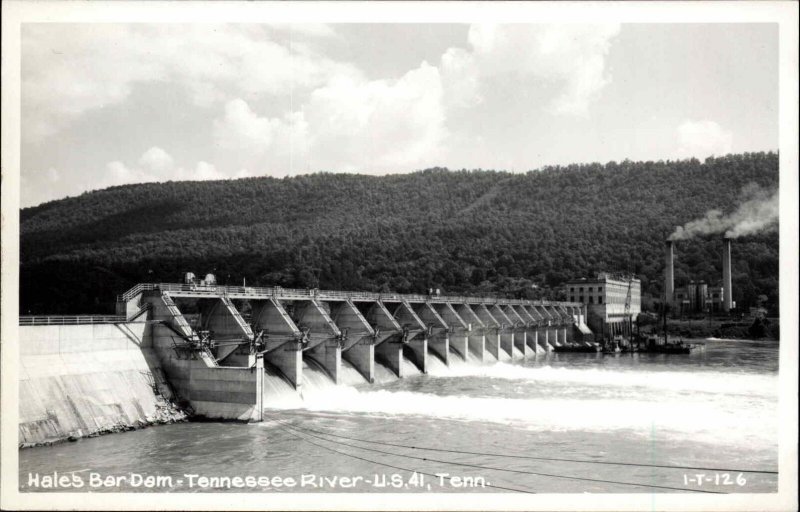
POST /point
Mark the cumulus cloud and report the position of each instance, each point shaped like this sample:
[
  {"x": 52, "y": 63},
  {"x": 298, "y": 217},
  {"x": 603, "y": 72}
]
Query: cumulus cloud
[
  {"x": 272, "y": 143},
  {"x": 377, "y": 125},
  {"x": 341, "y": 119},
  {"x": 155, "y": 165},
  {"x": 67, "y": 72},
  {"x": 242, "y": 129},
  {"x": 703, "y": 138},
  {"x": 117, "y": 173},
  {"x": 570, "y": 56},
  {"x": 460, "y": 78},
  {"x": 156, "y": 159},
  {"x": 349, "y": 124}
]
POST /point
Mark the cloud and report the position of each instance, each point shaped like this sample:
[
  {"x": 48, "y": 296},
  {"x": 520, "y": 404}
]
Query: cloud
[
  {"x": 319, "y": 30},
  {"x": 242, "y": 129},
  {"x": 43, "y": 186},
  {"x": 349, "y": 124},
  {"x": 270, "y": 144},
  {"x": 340, "y": 119},
  {"x": 203, "y": 171},
  {"x": 379, "y": 125},
  {"x": 156, "y": 159},
  {"x": 68, "y": 72},
  {"x": 460, "y": 78},
  {"x": 117, "y": 173},
  {"x": 702, "y": 139},
  {"x": 572, "y": 57},
  {"x": 155, "y": 165}
]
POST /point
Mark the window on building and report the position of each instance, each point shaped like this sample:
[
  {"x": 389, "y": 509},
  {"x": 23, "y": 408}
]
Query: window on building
[
  {"x": 572, "y": 299},
  {"x": 581, "y": 298},
  {"x": 599, "y": 300},
  {"x": 591, "y": 299},
  {"x": 590, "y": 288},
  {"x": 580, "y": 290},
  {"x": 599, "y": 288},
  {"x": 572, "y": 289}
]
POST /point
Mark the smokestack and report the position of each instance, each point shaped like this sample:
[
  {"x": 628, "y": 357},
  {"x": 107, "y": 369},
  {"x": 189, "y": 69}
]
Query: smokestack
[
  {"x": 669, "y": 274},
  {"x": 727, "y": 290}
]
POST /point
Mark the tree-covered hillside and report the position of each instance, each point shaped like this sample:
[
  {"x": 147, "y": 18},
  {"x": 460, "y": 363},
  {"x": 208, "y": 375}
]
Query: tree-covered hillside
[{"x": 460, "y": 231}]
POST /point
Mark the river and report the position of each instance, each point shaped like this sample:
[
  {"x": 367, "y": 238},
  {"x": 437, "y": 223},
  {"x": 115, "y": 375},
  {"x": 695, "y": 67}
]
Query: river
[{"x": 552, "y": 424}]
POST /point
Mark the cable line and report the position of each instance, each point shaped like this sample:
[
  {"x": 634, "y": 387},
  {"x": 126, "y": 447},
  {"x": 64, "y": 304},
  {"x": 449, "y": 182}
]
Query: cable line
[
  {"x": 298, "y": 436},
  {"x": 525, "y": 472},
  {"x": 662, "y": 466}
]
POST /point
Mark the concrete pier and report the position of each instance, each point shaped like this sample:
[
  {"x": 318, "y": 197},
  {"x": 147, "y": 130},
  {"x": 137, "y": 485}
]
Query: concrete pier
[
  {"x": 229, "y": 330},
  {"x": 358, "y": 347},
  {"x": 439, "y": 337},
  {"x": 477, "y": 333},
  {"x": 507, "y": 331},
  {"x": 416, "y": 335},
  {"x": 541, "y": 327},
  {"x": 547, "y": 335},
  {"x": 493, "y": 329},
  {"x": 458, "y": 340},
  {"x": 284, "y": 340},
  {"x": 520, "y": 329},
  {"x": 531, "y": 328},
  {"x": 323, "y": 336},
  {"x": 390, "y": 338}
]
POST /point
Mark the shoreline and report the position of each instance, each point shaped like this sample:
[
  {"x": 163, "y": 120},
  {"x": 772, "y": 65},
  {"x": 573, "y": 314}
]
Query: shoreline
[
  {"x": 766, "y": 330},
  {"x": 170, "y": 417}
]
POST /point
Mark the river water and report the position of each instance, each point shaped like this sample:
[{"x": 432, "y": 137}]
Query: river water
[{"x": 714, "y": 409}]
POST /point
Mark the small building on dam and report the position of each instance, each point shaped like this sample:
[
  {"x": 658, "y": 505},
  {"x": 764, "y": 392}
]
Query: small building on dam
[{"x": 215, "y": 349}]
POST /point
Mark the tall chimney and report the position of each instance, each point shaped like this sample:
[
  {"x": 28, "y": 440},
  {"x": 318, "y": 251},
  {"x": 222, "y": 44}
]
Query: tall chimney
[
  {"x": 727, "y": 290},
  {"x": 669, "y": 274}
]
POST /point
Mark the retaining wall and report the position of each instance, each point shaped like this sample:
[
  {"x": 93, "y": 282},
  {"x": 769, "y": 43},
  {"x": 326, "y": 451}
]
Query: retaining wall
[{"x": 80, "y": 380}]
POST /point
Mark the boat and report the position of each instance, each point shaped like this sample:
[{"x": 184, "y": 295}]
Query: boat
[
  {"x": 578, "y": 347},
  {"x": 662, "y": 345}
]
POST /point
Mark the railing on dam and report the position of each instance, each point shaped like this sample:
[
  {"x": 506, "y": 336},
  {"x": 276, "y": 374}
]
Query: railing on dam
[
  {"x": 244, "y": 292},
  {"x": 71, "y": 320}
]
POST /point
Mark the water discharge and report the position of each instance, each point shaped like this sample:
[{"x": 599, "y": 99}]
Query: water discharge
[
  {"x": 714, "y": 408},
  {"x": 721, "y": 407}
]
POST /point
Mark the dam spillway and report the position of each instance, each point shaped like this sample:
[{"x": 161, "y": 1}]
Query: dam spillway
[{"x": 223, "y": 351}]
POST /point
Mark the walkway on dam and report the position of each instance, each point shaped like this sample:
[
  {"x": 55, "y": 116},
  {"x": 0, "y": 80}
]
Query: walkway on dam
[{"x": 219, "y": 345}]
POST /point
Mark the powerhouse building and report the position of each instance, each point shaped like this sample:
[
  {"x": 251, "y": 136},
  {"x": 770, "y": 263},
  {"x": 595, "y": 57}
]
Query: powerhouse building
[{"x": 605, "y": 298}]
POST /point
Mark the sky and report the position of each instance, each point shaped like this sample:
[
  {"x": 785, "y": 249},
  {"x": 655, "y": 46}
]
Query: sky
[{"x": 113, "y": 104}]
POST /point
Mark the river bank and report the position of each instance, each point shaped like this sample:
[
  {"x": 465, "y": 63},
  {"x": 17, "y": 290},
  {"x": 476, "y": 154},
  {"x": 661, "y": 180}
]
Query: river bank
[
  {"x": 767, "y": 329},
  {"x": 168, "y": 415}
]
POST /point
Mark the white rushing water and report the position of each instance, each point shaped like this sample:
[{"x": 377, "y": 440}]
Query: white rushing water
[
  {"x": 715, "y": 408},
  {"x": 721, "y": 407}
]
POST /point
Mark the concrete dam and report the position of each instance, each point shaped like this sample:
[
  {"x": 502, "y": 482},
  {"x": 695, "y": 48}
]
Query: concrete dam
[{"x": 222, "y": 352}]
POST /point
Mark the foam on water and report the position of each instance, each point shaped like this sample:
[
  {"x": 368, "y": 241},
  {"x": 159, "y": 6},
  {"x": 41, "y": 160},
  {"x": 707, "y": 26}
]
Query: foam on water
[
  {"x": 717, "y": 407},
  {"x": 721, "y": 422},
  {"x": 695, "y": 382}
]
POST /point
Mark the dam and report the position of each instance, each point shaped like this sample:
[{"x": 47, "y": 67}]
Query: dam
[{"x": 221, "y": 352}]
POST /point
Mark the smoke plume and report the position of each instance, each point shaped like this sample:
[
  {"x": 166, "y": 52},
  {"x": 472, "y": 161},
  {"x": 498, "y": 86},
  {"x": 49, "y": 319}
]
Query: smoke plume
[{"x": 758, "y": 213}]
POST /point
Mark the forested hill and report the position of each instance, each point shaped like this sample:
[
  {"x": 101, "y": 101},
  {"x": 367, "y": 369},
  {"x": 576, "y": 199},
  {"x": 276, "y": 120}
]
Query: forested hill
[{"x": 460, "y": 231}]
